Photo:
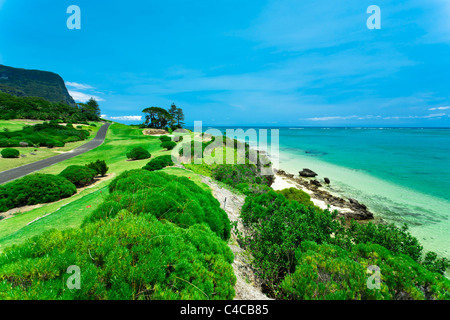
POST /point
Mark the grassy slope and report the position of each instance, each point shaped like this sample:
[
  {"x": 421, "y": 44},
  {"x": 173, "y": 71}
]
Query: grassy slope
[
  {"x": 69, "y": 213},
  {"x": 41, "y": 153}
]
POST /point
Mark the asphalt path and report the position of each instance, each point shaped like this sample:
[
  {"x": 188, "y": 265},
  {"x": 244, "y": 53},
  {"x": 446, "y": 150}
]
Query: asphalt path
[{"x": 19, "y": 172}]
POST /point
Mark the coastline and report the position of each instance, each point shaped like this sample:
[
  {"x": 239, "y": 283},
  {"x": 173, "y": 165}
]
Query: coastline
[{"x": 429, "y": 226}]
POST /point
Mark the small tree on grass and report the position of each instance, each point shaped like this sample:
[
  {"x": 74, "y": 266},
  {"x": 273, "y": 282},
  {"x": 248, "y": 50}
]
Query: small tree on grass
[
  {"x": 80, "y": 176},
  {"x": 138, "y": 154},
  {"x": 169, "y": 145},
  {"x": 159, "y": 163},
  {"x": 10, "y": 153},
  {"x": 99, "y": 166},
  {"x": 165, "y": 138}
]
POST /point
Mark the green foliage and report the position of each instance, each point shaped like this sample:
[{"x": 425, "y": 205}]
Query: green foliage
[
  {"x": 168, "y": 145},
  {"x": 295, "y": 194},
  {"x": 328, "y": 272},
  {"x": 99, "y": 166},
  {"x": 159, "y": 163},
  {"x": 165, "y": 138},
  {"x": 172, "y": 198},
  {"x": 34, "y": 189},
  {"x": 277, "y": 227},
  {"x": 138, "y": 153},
  {"x": 129, "y": 257},
  {"x": 251, "y": 189},
  {"x": 80, "y": 176},
  {"x": 10, "y": 153},
  {"x": 234, "y": 174},
  {"x": 47, "y": 134},
  {"x": 33, "y": 107},
  {"x": 396, "y": 239}
]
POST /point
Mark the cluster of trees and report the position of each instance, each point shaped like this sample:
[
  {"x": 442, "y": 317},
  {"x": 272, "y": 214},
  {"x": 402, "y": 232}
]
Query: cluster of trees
[
  {"x": 48, "y": 134},
  {"x": 12, "y": 107},
  {"x": 159, "y": 118}
]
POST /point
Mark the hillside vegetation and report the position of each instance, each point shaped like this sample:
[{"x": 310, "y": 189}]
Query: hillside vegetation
[{"x": 34, "y": 83}]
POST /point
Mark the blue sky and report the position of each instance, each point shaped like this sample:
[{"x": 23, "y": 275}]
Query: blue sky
[{"x": 253, "y": 62}]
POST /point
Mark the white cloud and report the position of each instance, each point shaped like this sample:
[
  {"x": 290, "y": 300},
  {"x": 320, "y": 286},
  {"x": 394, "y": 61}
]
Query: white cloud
[
  {"x": 79, "y": 86},
  {"x": 83, "y": 97},
  {"x": 127, "y": 118},
  {"x": 439, "y": 108}
]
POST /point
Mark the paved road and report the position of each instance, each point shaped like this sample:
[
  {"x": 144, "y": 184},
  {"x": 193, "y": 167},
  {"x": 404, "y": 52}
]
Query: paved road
[{"x": 19, "y": 172}]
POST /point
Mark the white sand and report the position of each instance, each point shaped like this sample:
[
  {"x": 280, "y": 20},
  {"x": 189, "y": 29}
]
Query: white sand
[{"x": 281, "y": 183}]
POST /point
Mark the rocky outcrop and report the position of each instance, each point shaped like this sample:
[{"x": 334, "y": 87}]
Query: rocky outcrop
[
  {"x": 353, "y": 208},
  {"x": 307, "y": 173}
]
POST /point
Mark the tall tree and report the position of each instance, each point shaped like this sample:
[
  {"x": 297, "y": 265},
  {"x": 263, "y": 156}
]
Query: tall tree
[
  {"x": 93, "y": 105},
  {"x": 179, "y": 117}
]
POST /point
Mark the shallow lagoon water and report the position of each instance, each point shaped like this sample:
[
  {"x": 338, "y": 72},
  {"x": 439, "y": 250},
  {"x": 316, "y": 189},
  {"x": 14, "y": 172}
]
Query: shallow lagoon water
[{"x": 401, "y": 174}]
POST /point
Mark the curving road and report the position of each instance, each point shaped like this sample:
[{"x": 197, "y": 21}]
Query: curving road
[{"x": 19, "y": 172}]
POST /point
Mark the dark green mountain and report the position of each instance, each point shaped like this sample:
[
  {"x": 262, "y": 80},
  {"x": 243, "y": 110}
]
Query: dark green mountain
[{"x": 34, "y": 83}]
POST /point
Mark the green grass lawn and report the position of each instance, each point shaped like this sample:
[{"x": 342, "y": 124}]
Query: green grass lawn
[
  {"x": 44, "y": 152},
  {"x": 70, "y": 212},
  {"x": 16, "y": 125}
]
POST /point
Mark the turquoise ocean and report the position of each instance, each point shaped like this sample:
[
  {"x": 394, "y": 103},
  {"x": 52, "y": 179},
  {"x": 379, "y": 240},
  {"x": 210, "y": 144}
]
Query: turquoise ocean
[{"x": 401, "y": 174}]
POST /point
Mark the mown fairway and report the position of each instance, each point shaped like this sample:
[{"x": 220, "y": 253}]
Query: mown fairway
[{"x": 69, "y": 213}]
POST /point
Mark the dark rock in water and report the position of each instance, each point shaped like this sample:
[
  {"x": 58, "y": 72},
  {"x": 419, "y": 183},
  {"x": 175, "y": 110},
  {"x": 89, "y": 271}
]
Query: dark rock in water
[
  {"x": 307, "y": 173},
  {"x": 358, "y": 205},
  {"x": 327, "y": 181},
  {"x": 315, "y": 183}
]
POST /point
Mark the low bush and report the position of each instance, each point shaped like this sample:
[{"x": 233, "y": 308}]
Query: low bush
[
  {"x": 168, "y": 145},
  {"x": 328, "y": 272},
  {"x": 165, "y": 138},
  {"x": 171, "y": 198},
  {"x": 138, "y": 153},
  {"x": 34, "y": 189},
  {"x": 276, "y": 228},
  {"x": 252, "y": 189},
  {"x": 298, "y": 195},
  {"x": 130, "y": 257},
  {"x": 80, "y": 176},
  {"x": 159, "y": 163},
  {"x": 234, "y": 174},
  {"x": 99, "y": 166},
  {"x": 10, "y": 153}
]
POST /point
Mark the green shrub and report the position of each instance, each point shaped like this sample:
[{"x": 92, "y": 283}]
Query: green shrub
[
  {"x": 159, "y": 163},
  {"x": 99, "y": 166},
  {"x": 276, "y": 227},
  {"x": 138, "y": 153},
  {"x": 80, "y": 176},
  {"x": 295, "y": 194},
  {"x": 252, "y": 189},
  {"x": 172, "y": 198},
  {"x": 327, "y": 272},
  {"x": 34, "y": 189},
  {"x": 168, "y": 145},
  {"x": 71, "y": 139},
  {"x": 10, "y": 153},
  {"x": 130, "y": 257},
  {"x": 234, "y": 174},
  {"x": 165, "y": 138}
]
